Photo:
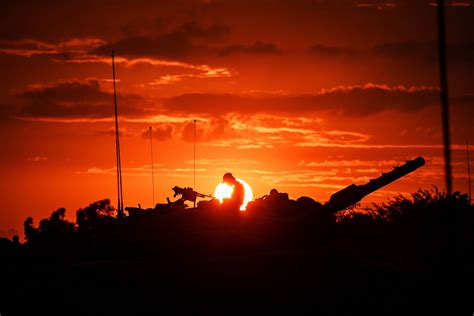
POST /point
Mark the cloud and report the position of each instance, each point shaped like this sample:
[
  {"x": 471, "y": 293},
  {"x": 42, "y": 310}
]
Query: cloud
[
  {"x": 156, "y": 41},
  {"x": 95, "y": 50},
  {"x": 31, "y": 47},
  {"x": 159, "y": 132},
  {"x": 203, "y": 74},
  {"x": 257, "y": 48},
  {"x": 216, "y": 131},
  {"x": 111, "y": 132},
  {"x": 395, "y": 4},
  {"x": 320, "y": 50},
  {"x": 36, "y": 158},
  {"x": 67, "y": 91},
  {"x": 349, "y": 163},
  {"x": 245, "y": 131},
  {"x": 332, "y": 138},
  {"x": 90, "y": 100},
  {"x": 182, "y": 42},
  {"x": 75, "y": 99},
  {"x": 144, "y": 170},
  {"x": 222, "y": 162},
  {"x": 455, "y": 4},
  {"x": 460, "y": 53},
  {"x": 378, "y": 5},
  {"x": 416, "y": 52},
  {"x": 349, "y": 100},
  {"x": 191, "y": 132},
  {"x": 460, "y": 4}
]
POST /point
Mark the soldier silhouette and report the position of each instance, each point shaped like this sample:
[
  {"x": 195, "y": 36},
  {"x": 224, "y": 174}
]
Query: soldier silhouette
[{"x": 238, "y": 193}]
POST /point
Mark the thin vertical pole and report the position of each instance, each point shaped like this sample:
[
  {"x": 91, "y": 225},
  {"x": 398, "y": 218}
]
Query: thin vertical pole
[
  {"x": 448, "y": 245},
  {"x": 194, "y": 160},
  {"x": 443, "y": 74},
  {"x": 468, "y": 171},
  {"x": 152, "y": 173},
  {"x": 117, "y": 147},
  {"x": 194, "y": 156}
]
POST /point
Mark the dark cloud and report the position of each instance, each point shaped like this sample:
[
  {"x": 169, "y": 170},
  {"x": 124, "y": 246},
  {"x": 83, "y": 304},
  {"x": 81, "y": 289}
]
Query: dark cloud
[
  {"x": 75, "y": 99},
  {"x": 426, "y": 52},
  {"x": 220, "y": 128},
  {"x": 32, "y": 45},
  {"x": 191, "y": 131},
  {"x": 257, "y": 48},
  {"x": 59, "y": 50},
  {"x": 188, "y": 38},
  {"x": 63, "y": 92},
  {"x": 86, "y": 100},
  {"x": 142, "y": 26},
  {"x": 320, "y": 50},
  {"x": 53, "y": 20},
  {"x": 111, "y": 132},
  {"x": 213, "y": 129},
  {"x": 354, "y": 100},
  {"x": 159, "y": 132},
  {"x": 414, "y": 52}
]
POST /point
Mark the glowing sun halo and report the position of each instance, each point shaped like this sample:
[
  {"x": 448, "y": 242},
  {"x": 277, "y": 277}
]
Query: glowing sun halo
[{"x": 224, "y": 191}]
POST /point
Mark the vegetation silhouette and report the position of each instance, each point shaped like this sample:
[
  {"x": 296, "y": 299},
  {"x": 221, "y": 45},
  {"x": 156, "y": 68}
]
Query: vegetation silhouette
[{"x": 280, "y": 255}]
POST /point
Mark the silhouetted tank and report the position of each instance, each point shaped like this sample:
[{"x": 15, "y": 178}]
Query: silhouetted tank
[{"x": 354, "y": 193}]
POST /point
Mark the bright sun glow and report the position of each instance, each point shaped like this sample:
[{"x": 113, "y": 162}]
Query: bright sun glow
[{"x": 224, "y": 191}]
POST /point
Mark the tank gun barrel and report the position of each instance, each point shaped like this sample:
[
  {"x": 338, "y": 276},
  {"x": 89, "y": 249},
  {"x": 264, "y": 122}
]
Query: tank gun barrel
[{"x": 354, "y": 193}]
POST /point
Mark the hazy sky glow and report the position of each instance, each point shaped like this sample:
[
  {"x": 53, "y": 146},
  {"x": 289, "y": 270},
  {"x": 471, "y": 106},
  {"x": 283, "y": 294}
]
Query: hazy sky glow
[{"x": 303, "y": 96}]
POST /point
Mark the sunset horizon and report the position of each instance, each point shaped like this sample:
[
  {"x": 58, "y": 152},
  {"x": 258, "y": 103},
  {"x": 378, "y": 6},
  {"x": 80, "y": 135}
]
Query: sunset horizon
[
  {"x": 305, "y": 97},
  {"x": 236, "y": 157}
]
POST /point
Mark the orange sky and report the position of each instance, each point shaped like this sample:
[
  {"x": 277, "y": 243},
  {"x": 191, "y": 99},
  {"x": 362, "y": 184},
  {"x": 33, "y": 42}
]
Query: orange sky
[{"x": 303, "y": 96}]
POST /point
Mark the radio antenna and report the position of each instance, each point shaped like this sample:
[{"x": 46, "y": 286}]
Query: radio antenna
[
  {"x": 194, "y": 160},
  {"x": 443, "y": 77},
  {"x": 152, "y": 173},
  {"x": 120, "y": 213}
]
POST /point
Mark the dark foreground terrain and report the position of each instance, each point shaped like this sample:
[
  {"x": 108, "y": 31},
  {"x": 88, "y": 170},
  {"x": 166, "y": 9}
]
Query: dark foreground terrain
[{"x": 410, "y": 256}]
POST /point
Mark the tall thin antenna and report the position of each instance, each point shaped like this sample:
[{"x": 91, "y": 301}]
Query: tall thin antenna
[
  {"x": 117, "y": 148},
  {"x": 194, "y": 160},
  {"x": 152, "y": 173},
  {"x": 468, "y": 171},
  {"x": 443, "y": 76},
  {"x": 194, "y": 157}
]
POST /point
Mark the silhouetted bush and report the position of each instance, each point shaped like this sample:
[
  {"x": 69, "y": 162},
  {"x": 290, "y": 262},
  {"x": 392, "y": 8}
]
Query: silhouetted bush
[
  {"x": 31, "y": 232},
  {"x": 423, "y": 205},
  {"x": 95, "y": 215}
]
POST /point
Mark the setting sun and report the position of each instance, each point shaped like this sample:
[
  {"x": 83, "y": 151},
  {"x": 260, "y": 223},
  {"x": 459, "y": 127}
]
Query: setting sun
[{"x": 224, "y": 191}]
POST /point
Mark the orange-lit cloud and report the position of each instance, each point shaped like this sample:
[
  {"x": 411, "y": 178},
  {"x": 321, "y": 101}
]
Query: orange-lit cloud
[
  {"x": 158, "y": 132},
  {"x": 351, "y": 100},
  {"x": 73, "y": 99},
  {"x": 180, "y": 42},
  {"x": 36, "y": 158},
  {"x": 78, "y": 50},
  {"x": 31, "y": 47}
]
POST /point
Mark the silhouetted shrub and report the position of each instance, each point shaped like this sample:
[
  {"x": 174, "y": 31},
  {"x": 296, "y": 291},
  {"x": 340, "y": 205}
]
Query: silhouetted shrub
[
  {"x": 94, "y": 215},
  {"x": 31, "y": 232},
  {"x": 424, "y": 205}
]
